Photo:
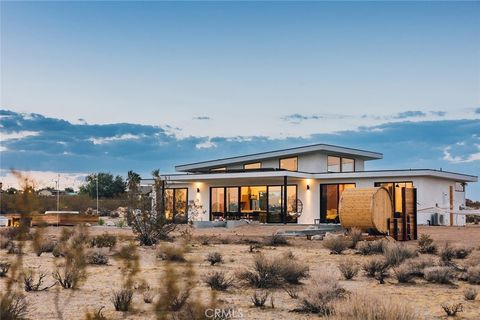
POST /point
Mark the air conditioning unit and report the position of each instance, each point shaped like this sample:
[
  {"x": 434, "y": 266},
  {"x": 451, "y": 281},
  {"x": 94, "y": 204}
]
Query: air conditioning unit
[{"x": 441, "y": 219}]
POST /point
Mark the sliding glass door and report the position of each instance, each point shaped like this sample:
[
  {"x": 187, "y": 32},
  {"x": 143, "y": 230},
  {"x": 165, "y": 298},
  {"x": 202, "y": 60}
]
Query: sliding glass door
[
  {"x": 259, "y": 203},
  {"x": 275, "y": 204},
  {"x": 330, "y": 199}
]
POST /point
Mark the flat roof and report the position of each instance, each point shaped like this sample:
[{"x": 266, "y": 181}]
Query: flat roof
[
  {"x": 336, "y": 150},
  {"x": 402, "y": 173}
]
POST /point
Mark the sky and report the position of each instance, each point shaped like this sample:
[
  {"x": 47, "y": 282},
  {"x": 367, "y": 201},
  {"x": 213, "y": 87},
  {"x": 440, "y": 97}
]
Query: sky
[{"x": 89, "y": 86}]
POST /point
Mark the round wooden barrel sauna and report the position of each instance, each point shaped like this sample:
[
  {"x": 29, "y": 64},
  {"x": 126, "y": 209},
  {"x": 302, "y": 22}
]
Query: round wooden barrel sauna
[{"x": 365, "y": 208}]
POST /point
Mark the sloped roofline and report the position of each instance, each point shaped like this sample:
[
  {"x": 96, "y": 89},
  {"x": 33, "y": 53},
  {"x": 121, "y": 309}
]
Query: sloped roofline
[{"x": 336, "y": 150}]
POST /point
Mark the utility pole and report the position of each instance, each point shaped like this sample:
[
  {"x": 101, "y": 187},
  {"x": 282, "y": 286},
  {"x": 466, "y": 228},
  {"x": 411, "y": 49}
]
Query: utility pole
[
  {"x": 58, "y": 192},
  {"x": 58, "y": 199},
  {"x": 98, "y": 213}
]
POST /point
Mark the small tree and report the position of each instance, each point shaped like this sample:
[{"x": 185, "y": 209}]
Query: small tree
[{"x": 151, "y": 226}]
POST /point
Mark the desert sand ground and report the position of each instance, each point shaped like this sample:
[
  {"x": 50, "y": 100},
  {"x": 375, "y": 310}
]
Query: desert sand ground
[{"x": 96, "y": 291}]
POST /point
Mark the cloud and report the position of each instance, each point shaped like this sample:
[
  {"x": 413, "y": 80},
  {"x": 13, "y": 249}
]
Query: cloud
[
  {"x": 123, "y": 137},
  {"x": 438, "y": 113},
  {"x": 207, "y": 144},
  {"x": 477, "y": 111},
  {"x": 409, "y": 114},
  {"x": 202, "y": 118},
  {"x": 16, "y": 135},
  {"x": 61, "y": 146},
  {"x": 297, "y": 117},
  {"x": 460, "y": 159}
]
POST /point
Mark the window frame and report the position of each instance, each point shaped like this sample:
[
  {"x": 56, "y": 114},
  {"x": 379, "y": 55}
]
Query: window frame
[
  {"x": 341, "y": 163},
  {"x": 239, "y": 187},
  {"x": 252, "y": 163},
  {"x": 280, "y": 163},
  {"x": 174, "y": 201}
]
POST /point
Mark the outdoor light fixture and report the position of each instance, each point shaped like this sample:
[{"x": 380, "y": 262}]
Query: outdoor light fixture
[
  {"x": 308, "y": 187},
  {"x": 198, "y": 190}
]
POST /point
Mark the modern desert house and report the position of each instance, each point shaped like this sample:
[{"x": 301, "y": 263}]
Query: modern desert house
[{"x": 303, "y": 185}]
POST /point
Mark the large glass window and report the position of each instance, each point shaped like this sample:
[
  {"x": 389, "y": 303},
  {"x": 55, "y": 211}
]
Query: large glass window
[
  {"x": 333, "y": 164},
  {"x": 169, "y": 204},
  {"x": 218, "y": 169},
  {"x": 176, "y": 204},
  {"x": 338, "y": 164},
  {"x": 256, "y": 165},
  {"x": 217, "y": 202},
  {"x": 329, "y": 200},
  {"x": 181, "y": 207},
  {"x": 232, "y": 202},
  {"x": 348, "y": 165},
  {"x": 395, "y": 190},
  {"x": 291, "y": 203},
  {"x": 290, "y": 164},
  {"x": 275, "y": 204},
  {"x": 253, "y": 203},
  {"x": 262, "y": 203}
]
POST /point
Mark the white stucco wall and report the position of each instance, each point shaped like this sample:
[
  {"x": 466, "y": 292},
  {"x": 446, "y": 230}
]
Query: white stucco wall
[{"x": 431, "y": 192}]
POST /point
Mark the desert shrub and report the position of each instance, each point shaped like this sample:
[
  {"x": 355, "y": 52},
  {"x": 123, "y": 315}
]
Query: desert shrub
[
  {"x": 174, "y": 253},
  {"x": 152, "y": 226},
  {"x": 98, "y": 315},
  {"x": 13, "y": 306},
  {"x": 438, "y": 274},
  {"x": 259, "y": 298},
  {"x": 16, "y": 233},
  {"x": 426, "y": 245},
  {"x": 355, "y": 235},
  {"x": 364, "y": 306},
  {"x": 320, "y": 297},
  {"x": 97, "y": 257},
  {"x": 148, "y": 295},
  {"x": 4, "y": 267},
  {"x": 273, "y": 272},
  {"x": 277, "y": 240},
  {"x": 101, "y": 222},
  {"x": 104, "y": 241},
  {"x": 67, "y": 278},
  {"x": 404, "y": 273},
  {"x": 13, "y": 248},
  {"x": 473, "y": 275},
  {"x": 44, "y": 246},
  {"x": 447, "y": 253},
  {"x": 349, "y": 268},
  {"x": 371, "y": 247},
  {"x": 452, "y": 309},
  {"x": 336, "y": 244},
  {"x": 461, "y": 252},
  {"x": 3, "y": 242},
  {"x": 214, "y": 258},
  {"x": 122, "y": 299},
  {"x": 178, "y": 301},
  {"x": 30, "y": 284},
  {"x": 266, "y": 273},
  {"x": 204, "y": 240},
  {"x": 58, "y": 251},
  {"x": 396, "y": 253},
  {"x": 292, "y": 271},
  {"x": 255, "y": 247},
  {"x": 375, "y": 266},
  {"x": 218, "y": 281},
  {"x": 292, "y": 291},
  {"x": 418, "y": 264},
  {"x": 72, "y": 245},
  {"x": 470, "y": 293}
]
